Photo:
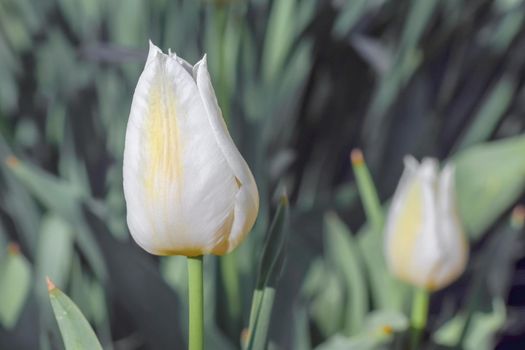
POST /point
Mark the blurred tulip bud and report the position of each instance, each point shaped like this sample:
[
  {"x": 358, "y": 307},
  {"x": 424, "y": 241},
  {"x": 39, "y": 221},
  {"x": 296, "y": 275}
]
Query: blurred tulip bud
[
  {"x": 425, "y": 245},
  {"x": 188, "y": 190}
]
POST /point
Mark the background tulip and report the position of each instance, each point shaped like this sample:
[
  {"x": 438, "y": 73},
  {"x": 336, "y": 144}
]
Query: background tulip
[
  {"x": 188, "y": 190},
  {"x": 425, "y": 245}
]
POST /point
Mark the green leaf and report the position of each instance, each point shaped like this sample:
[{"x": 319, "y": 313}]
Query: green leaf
[
  {"x": 482, "y": 329},
  {"x": 407, "y": 60},
  {"x": 490, "y": 113},
  {"x": 23, "y": 210},
  {"x": 79, "y": 287},
  {"x": 259, "y": 336},
  {"x": 26, "y": 133},
  {"x": 17, "y": 203},
  {"x": 76, "y": 332},
  {"x": 349, "y": 15},
  {"x": 90, "y": 296},
  {"x": 128, "y": 27},
  {"x": 71, "y": 167},
  {"x": 15, "y": 284},
  {"x": 417, "y": 21},
  {"x": 55, "y": 249},
  {"x": 83, "y": 15},
  {"x": 273, "y": 250},
  {"x": 53, "y": 192},
  {"x": 325, "y": 307},
  {"x": 269, "y": 271},
  {"x": 489, "y": 178},
  {"x": 338, "y": 342},
  {"x": 485, "y": 327},
  {"x": 342, "y": 250},
  {"x": 505, "y": 30},
  {"x": 59, "y": 72},
  {"x": 387, "y": 292},
  {"x": 55, "y": 123},
  {"x": 301, "y": 329},
  {"x": 223, "y": 38},
  {"x": 323, "y": 289},
  {"x": 280, "y": 33},
  {"x": 378, "y": 332},
  {"x": 382, "y": 323},
  {"x": 65, "y": 200}
]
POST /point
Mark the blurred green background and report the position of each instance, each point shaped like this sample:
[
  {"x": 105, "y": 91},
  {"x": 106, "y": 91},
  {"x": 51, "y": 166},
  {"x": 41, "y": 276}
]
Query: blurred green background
[{"x": 301, "y": 83}]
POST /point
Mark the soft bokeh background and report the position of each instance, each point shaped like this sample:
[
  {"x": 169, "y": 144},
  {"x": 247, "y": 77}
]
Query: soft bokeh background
[{"x": 301, "y": 83}]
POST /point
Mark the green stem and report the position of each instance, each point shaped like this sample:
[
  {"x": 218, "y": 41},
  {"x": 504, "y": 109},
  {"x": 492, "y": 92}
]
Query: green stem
[
  {"x": 419, "y": 316},
  {"x": 195, "y": 293},
  {"x": 367, "y": 191}
]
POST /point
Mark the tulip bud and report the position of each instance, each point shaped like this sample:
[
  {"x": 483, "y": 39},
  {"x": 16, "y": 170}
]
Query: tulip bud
[
  {"x": 188, "y": 190},
  {"x": 425, "y": 245}
]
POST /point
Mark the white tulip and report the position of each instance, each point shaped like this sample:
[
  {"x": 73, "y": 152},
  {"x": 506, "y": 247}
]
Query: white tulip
[
  {"x": 188, "y": 190},
  {"x": 425, "y": 244}
]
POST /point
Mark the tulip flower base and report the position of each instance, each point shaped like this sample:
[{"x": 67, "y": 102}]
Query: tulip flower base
[{"x": 196, "y": 299}]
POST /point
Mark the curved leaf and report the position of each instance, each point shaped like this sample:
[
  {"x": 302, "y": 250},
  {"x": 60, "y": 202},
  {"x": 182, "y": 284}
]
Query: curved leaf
[
  {"x": 76, "y": 332},
  {"x": 489, "y": 179}
]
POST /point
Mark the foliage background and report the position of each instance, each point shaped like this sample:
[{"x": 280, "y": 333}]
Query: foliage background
[{"x": 301, "y": 83}]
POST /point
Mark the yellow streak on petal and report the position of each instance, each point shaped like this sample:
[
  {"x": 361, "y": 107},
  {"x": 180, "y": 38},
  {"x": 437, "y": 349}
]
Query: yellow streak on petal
[
  {"x": 408, "y": 226},
  {"x": 164, "y": 165}
]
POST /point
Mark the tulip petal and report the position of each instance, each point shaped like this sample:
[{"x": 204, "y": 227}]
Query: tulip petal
[
  {"x": 404, "y": 221},
  {"x": 452, "y": 238},
  {"x": 427, "y": 252},
  {"x": 188, "y": 67},
  {"x": 179, "y": 188},
  {"x": 152, "y": 53},
  {"x": 411, "y": 224},
  {"x": 247, "y": 200},
  {"x": 425, "y": 244}
]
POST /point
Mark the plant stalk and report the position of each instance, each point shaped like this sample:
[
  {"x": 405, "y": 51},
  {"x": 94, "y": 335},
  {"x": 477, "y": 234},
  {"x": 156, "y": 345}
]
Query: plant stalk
[
  {"x": 419, "y": 317},
  {"x": 196, "y": 301}
]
